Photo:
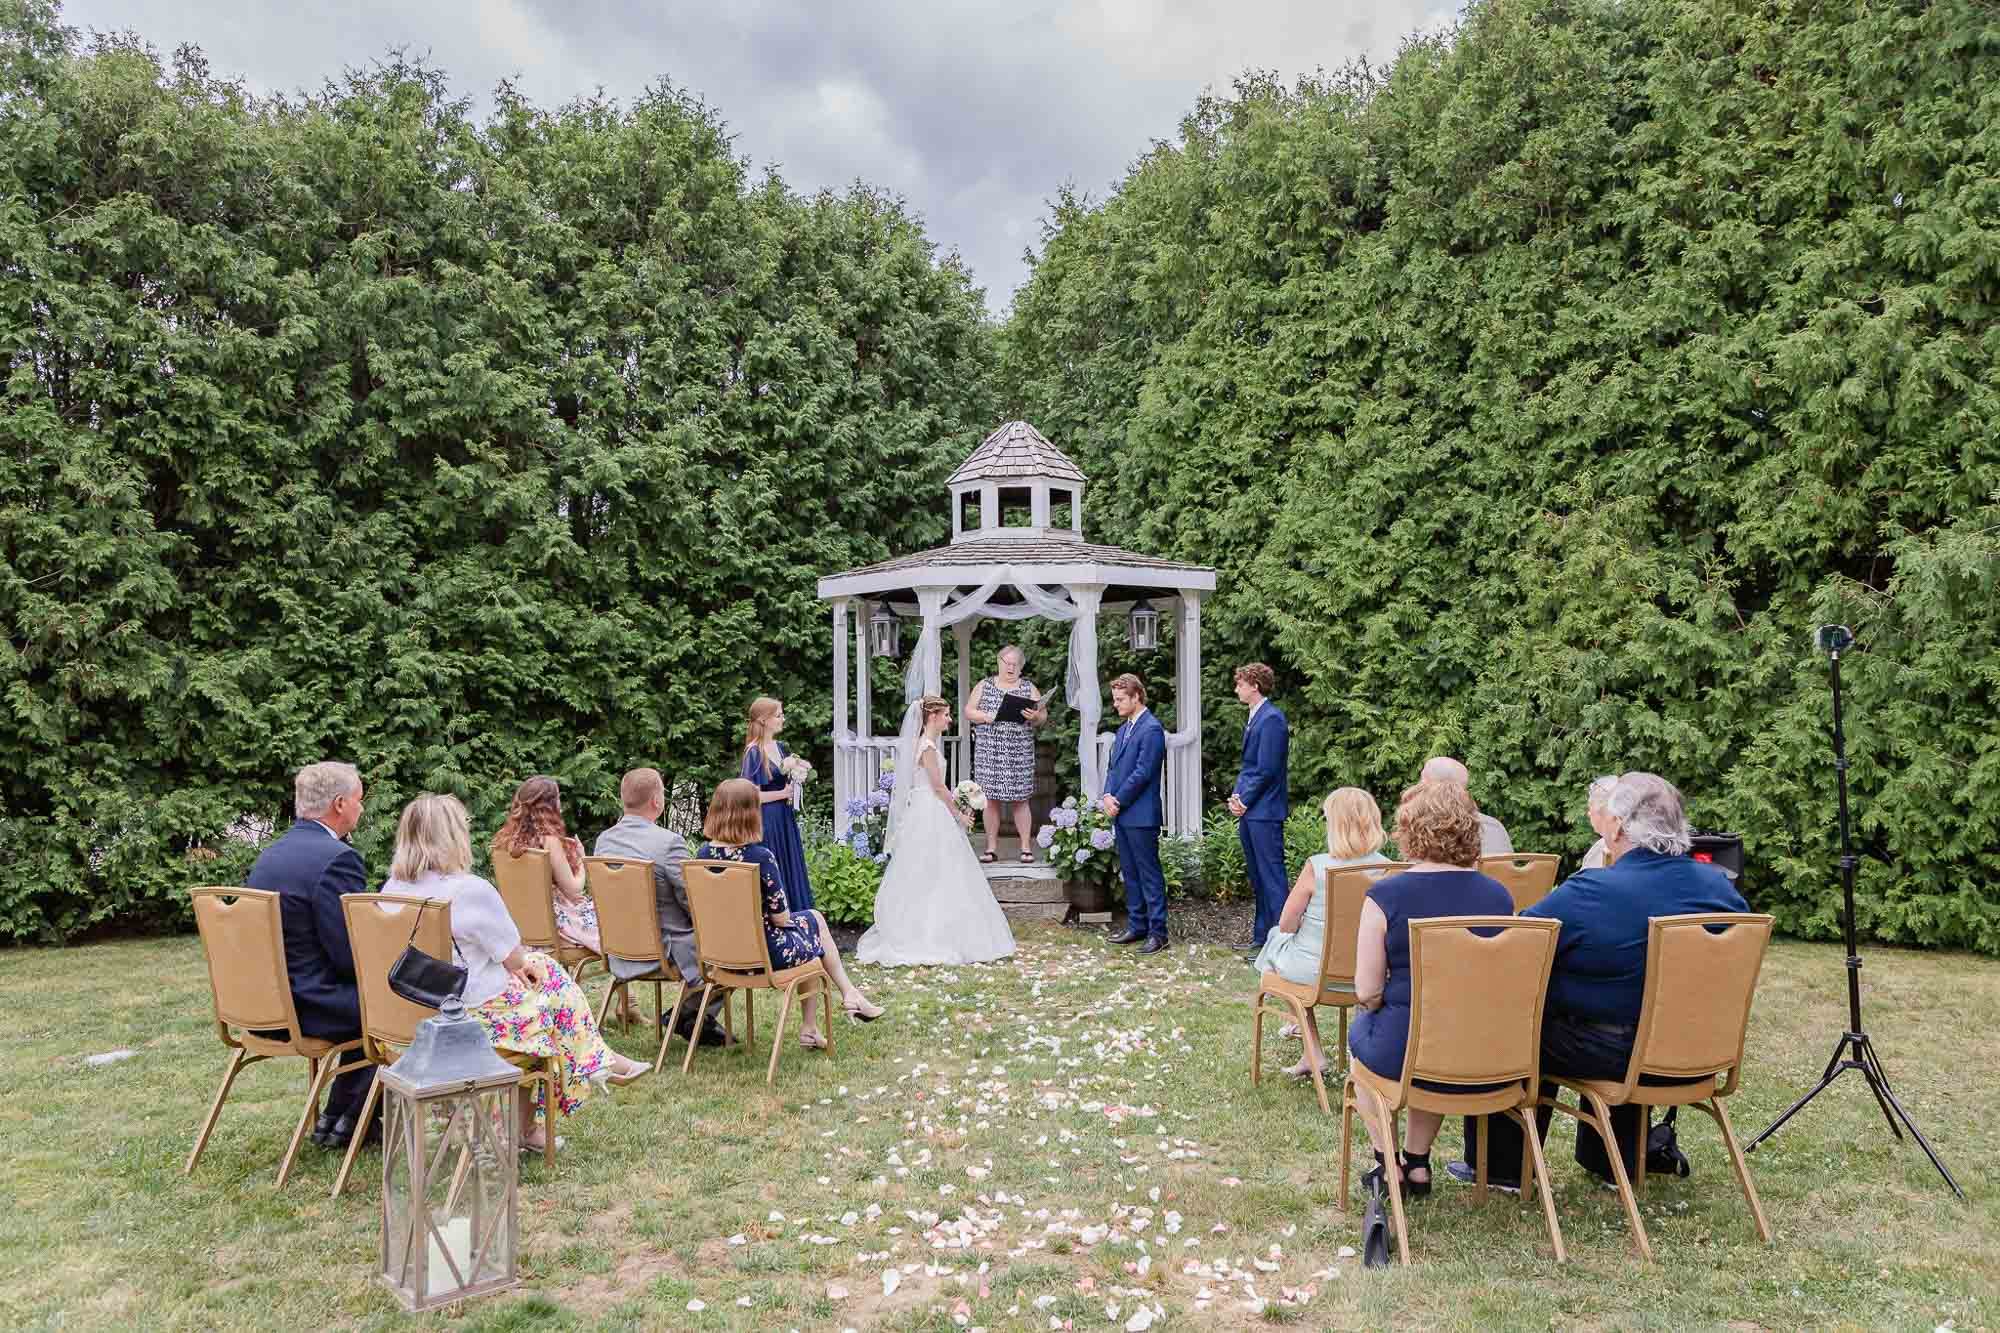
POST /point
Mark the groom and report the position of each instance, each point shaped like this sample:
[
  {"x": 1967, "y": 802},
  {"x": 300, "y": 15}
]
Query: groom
[
  {"x": 1262, "y": 798},
  {"x": 1132, "y": 799}
]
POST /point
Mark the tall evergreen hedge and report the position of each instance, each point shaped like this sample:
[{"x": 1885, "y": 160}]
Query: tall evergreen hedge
[
  {"x": 1537, "y": 395},
  {"x": 343, "y": 425}
]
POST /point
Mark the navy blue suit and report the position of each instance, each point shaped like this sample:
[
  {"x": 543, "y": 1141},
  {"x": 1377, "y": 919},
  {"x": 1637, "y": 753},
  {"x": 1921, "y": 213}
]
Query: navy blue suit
[
  {"x": 1264, "y": 788},
  {"x": 309, "y": 868},
  {"x": 1138, "y": 756}
]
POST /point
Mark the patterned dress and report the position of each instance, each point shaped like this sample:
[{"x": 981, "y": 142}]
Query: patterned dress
[
  {"x": 1003, "y": 753},
  {"x": 791, "y": 946}
]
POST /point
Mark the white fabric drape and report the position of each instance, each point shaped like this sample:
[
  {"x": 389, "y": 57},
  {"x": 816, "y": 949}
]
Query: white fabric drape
[{"x": 1080, "y": 683}]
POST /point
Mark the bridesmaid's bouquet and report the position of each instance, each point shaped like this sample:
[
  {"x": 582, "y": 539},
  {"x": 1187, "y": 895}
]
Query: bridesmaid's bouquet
[
  {"x": 970, "y": 796},
  {"x": 797, "y": 769}
]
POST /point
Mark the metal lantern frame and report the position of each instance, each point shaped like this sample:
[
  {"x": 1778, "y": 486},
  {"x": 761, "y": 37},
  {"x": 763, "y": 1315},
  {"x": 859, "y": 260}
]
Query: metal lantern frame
[
  {"x": 885, "y": 631},
  {"x": 450, "y": 1174},
  {"x": 1143, "y": 627}
]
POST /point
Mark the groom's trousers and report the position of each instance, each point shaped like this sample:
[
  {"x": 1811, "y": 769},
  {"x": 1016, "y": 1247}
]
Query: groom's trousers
[
  {"x": 1145, "y": 882},
  {"x": 1264, "y": 853}
]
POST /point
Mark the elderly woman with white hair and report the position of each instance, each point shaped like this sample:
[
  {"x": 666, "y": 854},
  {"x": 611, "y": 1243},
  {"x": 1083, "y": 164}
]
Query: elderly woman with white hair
[
  {"x": 1003, "y": 751},
  {"x": 1597, "y": 985},
  {"x": 1598, "y": 812}
]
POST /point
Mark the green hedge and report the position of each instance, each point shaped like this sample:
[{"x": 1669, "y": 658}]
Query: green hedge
[
  {"x": 1538, "y": 394},
  {"x": 345, "y": 426}
]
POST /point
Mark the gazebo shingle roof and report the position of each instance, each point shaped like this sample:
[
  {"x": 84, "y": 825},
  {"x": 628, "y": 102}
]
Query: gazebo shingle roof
[
  {"x": 1016, "y": 450},
  {"x": 1022, "y": 551}
]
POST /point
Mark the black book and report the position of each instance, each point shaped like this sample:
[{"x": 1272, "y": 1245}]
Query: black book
[{"x": 1013, "y": 707}]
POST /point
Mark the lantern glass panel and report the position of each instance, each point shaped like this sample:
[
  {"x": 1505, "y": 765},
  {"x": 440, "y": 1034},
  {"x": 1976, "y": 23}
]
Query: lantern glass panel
[
  {"x": 448, "y": 1194},
  {"x": 1144, "y": 627},
  {"x": 883, "y": 632}
]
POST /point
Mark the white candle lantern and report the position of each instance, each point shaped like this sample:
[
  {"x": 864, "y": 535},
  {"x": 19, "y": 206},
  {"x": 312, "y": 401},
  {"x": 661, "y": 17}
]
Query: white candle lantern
[
  {"x": 884, "y": 631},
  {"x": 1144, "y": 627},
  {"x": 448, "y": 1166}
]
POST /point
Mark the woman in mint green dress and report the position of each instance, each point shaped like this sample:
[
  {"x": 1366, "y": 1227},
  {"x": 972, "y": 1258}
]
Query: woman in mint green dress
[{"x": 1354, "y": 837}]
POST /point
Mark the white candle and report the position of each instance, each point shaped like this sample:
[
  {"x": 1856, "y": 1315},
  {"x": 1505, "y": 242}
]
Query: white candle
[{"x": 458, "y": 1240}]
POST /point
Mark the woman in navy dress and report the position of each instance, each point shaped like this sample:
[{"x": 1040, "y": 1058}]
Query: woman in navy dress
[
  {"x": 794, "y": 939},
  {"x": 763, "y": 767},
  {"x": 1437, "y": 830}
]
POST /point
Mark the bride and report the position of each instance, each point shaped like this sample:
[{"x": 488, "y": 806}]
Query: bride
[{"x": 934, "y": 905}]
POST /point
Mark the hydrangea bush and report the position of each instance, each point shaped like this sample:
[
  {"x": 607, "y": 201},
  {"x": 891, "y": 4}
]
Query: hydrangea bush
[{"x": 1080, "y": 843}]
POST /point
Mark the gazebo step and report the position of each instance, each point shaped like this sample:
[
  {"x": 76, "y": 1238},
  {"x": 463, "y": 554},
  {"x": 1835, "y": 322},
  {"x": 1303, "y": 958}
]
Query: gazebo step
[
  {"x": 1016, "y": 889},
  {"x": 1035, "y": 911}
]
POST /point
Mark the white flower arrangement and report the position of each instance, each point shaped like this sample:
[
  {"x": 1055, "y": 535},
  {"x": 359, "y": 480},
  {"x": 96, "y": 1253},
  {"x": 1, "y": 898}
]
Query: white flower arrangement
[
  {"x": 969, "y": 795},
  {"x": 797, "y": 769}
]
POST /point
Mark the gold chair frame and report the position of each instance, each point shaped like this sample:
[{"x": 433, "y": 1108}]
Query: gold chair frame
[
  {"x": 727, "y": 905},
  {"x": 1475, "y": 1018},
  {"x": 628, "y": 919},
  {"x": 1693, "y": 1023},
  {"x": 528, "y": 887},
  {"x": 243, "y": 939},
  {"x": 1528, "y": 876}
]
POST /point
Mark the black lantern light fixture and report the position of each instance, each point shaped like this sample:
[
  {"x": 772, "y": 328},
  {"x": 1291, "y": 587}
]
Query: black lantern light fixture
[
  {"x": 1143, "y": 627},
  {"x": 885, "y": 631}
]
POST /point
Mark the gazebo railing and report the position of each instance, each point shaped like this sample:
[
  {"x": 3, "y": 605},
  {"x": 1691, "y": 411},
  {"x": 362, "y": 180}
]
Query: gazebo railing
[{"x": 1180, "y": 785}]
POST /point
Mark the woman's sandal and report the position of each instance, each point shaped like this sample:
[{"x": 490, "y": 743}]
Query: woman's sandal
[
  {"x": 640, "y": 1068},
  {"x": 861, "y": 1015},
  {"x": 1415, "y": 1189},
  {"x": 812, "y": 1041},
  {"x": 1027, "y": 858},
  {"x": 987, "y": 857}
]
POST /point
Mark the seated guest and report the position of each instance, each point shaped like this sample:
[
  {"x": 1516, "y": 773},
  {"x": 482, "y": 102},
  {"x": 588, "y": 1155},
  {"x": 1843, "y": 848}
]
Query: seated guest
[
  {"x": 1493, "y": 839},
  {"x": 1437, "y": 830},
  {"x": 1598, "y": 856},
  {"x": 732, "y": 829},
  {"x": 640, "y": 836},
  {"x": 1592, "y": 1015},
  {"x": 1353, "y": 837},
  {"x": 309, "y": 868},
  {"x": 523, "y": 996},
  {"x": 534, "y": 823}
]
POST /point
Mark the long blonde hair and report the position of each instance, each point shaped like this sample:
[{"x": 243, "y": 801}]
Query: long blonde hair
[
  {"x": 434, "y": 834},
  {"x": 1353, "y": 823},
  {"x": 761, "y": 709}
]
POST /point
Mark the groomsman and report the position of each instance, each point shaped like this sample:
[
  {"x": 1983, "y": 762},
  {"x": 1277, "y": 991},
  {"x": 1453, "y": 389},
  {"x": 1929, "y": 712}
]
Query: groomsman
[
  {"x": 1132, "y": 799},
  {"x": 1262, "y": 797}
]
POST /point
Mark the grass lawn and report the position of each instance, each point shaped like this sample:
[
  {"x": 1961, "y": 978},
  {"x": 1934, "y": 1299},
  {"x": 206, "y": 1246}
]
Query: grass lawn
[{"x": 1069, "y": 1137}]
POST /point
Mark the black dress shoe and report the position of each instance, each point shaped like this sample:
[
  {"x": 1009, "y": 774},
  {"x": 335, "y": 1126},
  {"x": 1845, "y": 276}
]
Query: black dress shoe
[
  {"x": 713, "y": 1035},
  {"x": 1154, "y": 945},
  {"x": 338, "y": 1136},
  {"x": 322, "y": 1128},
  {"x": 1127, "y": 936}
]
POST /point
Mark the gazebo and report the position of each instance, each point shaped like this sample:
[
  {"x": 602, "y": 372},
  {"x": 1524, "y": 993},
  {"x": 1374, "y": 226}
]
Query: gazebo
[{"x": 1017, "y": 551}]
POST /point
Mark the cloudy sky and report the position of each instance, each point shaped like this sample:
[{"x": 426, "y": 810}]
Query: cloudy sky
[{"x": 974, "y": 112}]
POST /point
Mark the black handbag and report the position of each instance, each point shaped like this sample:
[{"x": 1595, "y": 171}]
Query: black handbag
[
  {"x": 422, "y": 979},
  {"x": 1663, "y": 1148}
]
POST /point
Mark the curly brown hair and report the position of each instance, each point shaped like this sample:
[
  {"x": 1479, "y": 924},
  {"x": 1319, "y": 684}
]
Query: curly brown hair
[
  {"x": 1438, "y": 821},
  {"x": 535, "y": 813},
  {"x": 1260, "y": 676}
]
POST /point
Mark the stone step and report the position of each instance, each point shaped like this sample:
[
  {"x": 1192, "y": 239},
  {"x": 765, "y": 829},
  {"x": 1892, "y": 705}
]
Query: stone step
[
  {"x": 1035, "y": 911},
  {"x": 1015, "y": 890}
]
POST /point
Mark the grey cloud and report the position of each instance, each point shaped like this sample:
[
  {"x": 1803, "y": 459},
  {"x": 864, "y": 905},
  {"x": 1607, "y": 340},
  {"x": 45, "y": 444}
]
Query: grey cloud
[{"x": 975, "y": 113}]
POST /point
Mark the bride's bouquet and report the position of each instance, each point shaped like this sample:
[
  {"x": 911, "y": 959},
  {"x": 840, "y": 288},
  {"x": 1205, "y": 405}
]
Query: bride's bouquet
[
  {"x": 969, "y": 796},
  {"x": 797, "y": 769}
]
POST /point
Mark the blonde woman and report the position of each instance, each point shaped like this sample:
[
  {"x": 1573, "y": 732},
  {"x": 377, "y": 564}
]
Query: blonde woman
[
  {"x": 523, "y": 996},
  {"x": 1354, "y": 837}
]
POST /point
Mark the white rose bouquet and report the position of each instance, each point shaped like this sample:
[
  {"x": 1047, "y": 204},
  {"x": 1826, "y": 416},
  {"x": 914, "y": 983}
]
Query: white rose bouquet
[
  {"x": 969, "y": 796},
  {"x": 797, "y": 769}
]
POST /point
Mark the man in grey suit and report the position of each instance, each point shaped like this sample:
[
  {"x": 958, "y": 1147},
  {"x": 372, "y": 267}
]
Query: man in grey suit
[{"x": 641, "y": 837}]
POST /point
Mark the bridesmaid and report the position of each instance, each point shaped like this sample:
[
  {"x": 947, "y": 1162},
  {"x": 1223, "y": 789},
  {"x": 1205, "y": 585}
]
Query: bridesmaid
[{"x": 763, "y": 760}]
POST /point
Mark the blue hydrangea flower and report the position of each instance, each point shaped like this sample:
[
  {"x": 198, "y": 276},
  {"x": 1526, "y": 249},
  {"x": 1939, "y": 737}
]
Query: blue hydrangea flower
[
  {"x": 857, "y": 808},
  {"x": 1082, "y": 855},
  {"x": 861, "y": 845},
  {"x": 881, "y": 858},
  {"x": 1046, "y": 837},
  {"x": 1069, "y": 803},
  {"x": 1102, "y": 839},
  {"x": 877, "y": 800},
  {"x": 1063, "y": 818},
  {"x": 887, "y": 782}
]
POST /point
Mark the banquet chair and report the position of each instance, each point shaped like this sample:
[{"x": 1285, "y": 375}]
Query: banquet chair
[
  {"x": 242, "y": 937},
  {"x": 1701, "y": 976},
  {"x": 628, "y": 922},
  {"x": 1475, "y": 1022},
  {"x": 379, "y": 927},
  {"x": 1346, "y": 889},
  {"x": 1528, "y": 876},
  {"x": 734, "y": 955},
  {"x": 528, "y": 888}
]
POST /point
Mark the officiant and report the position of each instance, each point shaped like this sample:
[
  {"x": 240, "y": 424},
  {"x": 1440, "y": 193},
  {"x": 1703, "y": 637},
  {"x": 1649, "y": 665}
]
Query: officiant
[{"x": 1005, "y": 709}]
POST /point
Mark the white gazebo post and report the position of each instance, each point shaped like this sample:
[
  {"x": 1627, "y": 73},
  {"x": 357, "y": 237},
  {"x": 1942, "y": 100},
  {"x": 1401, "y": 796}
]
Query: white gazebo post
[
  {"x": 1187, "y": 693},
  {"x": 864, "y": 716},
  {"x": 843, "y": 758},
  {"x": 930, "y": 605},
  {"x": 961, "y": 760}
]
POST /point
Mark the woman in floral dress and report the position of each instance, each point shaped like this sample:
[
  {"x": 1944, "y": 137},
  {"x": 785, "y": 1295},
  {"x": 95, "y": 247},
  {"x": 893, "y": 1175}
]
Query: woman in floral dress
[
  {"x": 1003, "y": 753},
  {"x": 733, "y": 832},
  {"x": 523, "y": 996}
]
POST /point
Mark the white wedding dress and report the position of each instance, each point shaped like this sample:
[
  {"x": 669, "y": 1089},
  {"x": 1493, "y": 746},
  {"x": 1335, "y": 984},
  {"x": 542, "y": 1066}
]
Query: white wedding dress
[{"x": 934, "y": 905}]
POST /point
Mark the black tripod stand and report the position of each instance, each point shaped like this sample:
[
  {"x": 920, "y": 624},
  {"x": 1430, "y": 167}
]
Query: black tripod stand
[{"x": 1853, "y": 1050}]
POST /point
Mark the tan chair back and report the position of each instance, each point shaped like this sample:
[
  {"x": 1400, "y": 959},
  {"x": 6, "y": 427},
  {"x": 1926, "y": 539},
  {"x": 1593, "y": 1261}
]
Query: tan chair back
[
  {"x": 1528, "y": 875},
  {"x": 529, "y": 891},
  {"x": 728, "y": 910},
  {"x": 1476, "y": 1001},
  {"x": 1699, "y": 985},
  {"x": 243, "y": 936},
  {"x": 379, "y": 928},
  {"x": 1346, "y": 889},
  {"x": 628, "y": 913}
]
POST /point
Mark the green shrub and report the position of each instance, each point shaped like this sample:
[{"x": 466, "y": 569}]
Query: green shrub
[{"x": 844, "y": 884}]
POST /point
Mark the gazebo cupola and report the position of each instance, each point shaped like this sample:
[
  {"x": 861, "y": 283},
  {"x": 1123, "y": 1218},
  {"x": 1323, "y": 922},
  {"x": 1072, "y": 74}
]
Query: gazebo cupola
[{"x": 1016, "y": 484}]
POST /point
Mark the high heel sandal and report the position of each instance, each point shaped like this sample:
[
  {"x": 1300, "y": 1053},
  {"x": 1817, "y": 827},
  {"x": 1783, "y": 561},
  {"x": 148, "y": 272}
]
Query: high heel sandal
[
  {"x": 859, "y": 1014},
  {"x": 1415, "y": 1189},
  {"x": 812, "y": 1041}
]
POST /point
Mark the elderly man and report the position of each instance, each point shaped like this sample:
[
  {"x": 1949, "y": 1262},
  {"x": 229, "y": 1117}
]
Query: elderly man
[
  {"x": 1493, "y": 839},
  {"x": 1598, "y": 983},
  {"x": 639, "y": 835},
  {"x": 309, "y": 868}
]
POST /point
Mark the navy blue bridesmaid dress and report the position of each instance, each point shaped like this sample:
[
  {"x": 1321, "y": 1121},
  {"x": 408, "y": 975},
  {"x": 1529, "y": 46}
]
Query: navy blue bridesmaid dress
[{"x": 781, "y": 827}]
